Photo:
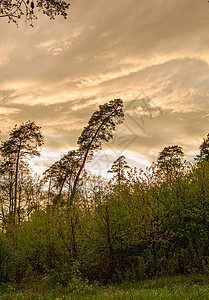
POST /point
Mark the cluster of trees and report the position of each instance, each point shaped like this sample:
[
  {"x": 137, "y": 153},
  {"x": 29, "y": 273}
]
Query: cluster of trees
[
  {"x": 15, "y": 174},
  {"x": 141, "y": 224}
]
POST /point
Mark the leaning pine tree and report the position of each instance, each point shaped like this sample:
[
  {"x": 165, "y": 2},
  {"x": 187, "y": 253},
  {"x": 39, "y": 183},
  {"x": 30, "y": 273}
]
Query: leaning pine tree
[{"x": 99, "y": 129}]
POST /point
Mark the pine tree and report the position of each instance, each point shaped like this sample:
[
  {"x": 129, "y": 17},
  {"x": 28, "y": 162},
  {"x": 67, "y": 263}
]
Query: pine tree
[
  {"x": 204, "y": 149},
  {"x": 99, "y": 129},
  {"x": 23, "y": 142},
  {"x": 170, "y": 160},
  {"x": 118, "y": 167},
  {"x": 62, "y": 171}
]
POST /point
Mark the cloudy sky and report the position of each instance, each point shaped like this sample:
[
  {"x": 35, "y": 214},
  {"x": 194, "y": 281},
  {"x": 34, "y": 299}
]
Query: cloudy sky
[{"x": 154, "y": 55}]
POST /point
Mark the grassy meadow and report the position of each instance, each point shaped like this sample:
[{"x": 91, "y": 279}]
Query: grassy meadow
[{"x": 175, "y": 288}]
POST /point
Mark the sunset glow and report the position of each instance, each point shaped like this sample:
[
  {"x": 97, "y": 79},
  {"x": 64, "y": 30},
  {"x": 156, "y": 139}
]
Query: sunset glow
[{"x": 58, "y": 73}]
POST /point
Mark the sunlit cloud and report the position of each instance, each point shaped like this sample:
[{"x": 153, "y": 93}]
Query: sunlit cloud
[
  {"x": 55, "y": 47},
  {"x": 58, "y": 73},
  {"x": 8, "y": 111}
]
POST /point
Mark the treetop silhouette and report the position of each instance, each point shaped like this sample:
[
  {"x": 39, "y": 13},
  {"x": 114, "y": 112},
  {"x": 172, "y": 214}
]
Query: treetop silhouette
[
  {"x": 170, "y": 159},
  {"x": 16, "y": 9},
  {"x": 118, "y": 168},
  {"x": 23, "y": 141},
  {"x": 204, "y": 149},
  {"x": 99, "y": 129}
]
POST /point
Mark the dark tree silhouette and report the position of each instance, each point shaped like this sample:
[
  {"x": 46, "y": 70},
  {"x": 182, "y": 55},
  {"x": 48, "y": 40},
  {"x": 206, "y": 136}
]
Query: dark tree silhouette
[
  {"x": 99, "y": 129},
  {"x": 118, "y": 167},
  {"x": 170, "y": 159},
  {"x": 23, "y": 142},
  {"x": 16, "y": 9},
  {"x": 7, "y": 172},
  {"x": 204, "y": 149},
  {"x": 62, "y": 171}
]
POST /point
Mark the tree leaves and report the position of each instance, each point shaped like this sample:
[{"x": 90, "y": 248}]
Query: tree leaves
[
  {"x": 170, "y": 159},
  {"x": 25, "y": 138},
  {"x": 14, "y": 10},
  {"x": 204, "y": 149},
  {"x": 100, "y": 128},
  {"x": 118, "y": 167},
  {"x": 101, "y": 125}
]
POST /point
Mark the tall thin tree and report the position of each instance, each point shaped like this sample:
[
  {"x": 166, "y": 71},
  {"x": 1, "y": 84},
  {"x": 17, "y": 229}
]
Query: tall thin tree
[
  {"x": 23, "y": 142},
  {"x": 99, "y": 129},
  {"x": 118, "y": 168}
]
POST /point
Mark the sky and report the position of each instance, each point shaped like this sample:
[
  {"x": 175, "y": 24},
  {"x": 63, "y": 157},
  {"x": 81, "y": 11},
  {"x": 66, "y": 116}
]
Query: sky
[{"x": 154, "y": 55}]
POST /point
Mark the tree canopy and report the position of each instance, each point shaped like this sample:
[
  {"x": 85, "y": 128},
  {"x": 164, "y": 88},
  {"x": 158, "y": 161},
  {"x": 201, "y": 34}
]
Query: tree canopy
[
  {"x": 204, "y": 149},
  {"x": 16, "y": 9},
  {"x": 170, "y": 159},
  {"x": 23, "y": 142},
  {"x": 153, "y": 223},
  {"x": 118, "y": 168},
  {"x": 100, "y": 129}
]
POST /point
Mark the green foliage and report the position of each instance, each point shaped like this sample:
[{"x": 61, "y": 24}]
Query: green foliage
[
  {"x": 5, "y": 259},
  {"x": 175, "y": 288},
  {"x": 150, "y": 226},
  {"x": 144, "y": 229},
  {"x": 77, "y": 283}
]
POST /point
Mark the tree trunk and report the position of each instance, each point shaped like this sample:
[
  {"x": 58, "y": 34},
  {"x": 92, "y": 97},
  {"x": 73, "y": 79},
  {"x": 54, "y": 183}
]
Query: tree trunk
[
  {"x": 109, "y": 242},
  {"x": 11, "y": 200},
  {"x": 16, "y": 183},
  {"x": 3, "y": 216},
  {"x": 73, "y": 239},
  {"x": 49, "y": 190},
  {"x": 19, "y": 202},
  {"x": 86, "y": 155},
  {"x": 78, "y": 175}
]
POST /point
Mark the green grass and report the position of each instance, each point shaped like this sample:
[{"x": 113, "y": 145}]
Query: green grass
[{"x": 190, "y": 287}]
